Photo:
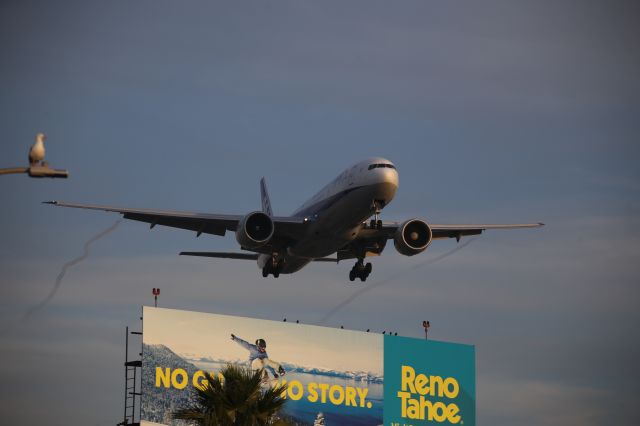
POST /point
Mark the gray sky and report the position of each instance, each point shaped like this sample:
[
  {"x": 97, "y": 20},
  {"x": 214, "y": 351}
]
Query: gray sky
[{"x": 492, "y": 112}]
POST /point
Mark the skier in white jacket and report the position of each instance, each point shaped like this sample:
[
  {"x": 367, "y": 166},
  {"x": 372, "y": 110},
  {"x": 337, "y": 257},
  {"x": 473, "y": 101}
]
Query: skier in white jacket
[{"x": 258, "y": 357}]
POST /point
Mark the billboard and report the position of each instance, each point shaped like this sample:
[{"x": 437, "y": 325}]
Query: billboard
[{"x": 333, "y": 376}]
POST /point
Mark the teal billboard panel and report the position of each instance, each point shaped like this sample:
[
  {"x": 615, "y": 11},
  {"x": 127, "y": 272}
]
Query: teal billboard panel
[{"x": 428, "y": 382}]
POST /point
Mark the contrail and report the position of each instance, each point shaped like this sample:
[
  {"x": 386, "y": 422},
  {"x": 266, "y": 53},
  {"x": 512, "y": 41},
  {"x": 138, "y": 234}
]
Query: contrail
[
  {"x": 392, "y": 278},
  {"x": 67, "y": 265}
]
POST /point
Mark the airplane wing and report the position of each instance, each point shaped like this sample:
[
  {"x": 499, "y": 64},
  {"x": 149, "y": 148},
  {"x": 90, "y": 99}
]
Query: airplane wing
[
  {"x": 458, "y": 231},
  {"x": 373, "y": 240},
  {"x": 201, "y": 223},
  {"x": 441, "y": 231}
]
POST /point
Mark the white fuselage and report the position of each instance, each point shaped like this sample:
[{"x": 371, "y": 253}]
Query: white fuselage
[{"x": 338, "y": 210}]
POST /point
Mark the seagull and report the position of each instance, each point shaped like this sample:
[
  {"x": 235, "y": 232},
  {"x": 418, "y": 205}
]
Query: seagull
[{"x": 37, "y": 151}]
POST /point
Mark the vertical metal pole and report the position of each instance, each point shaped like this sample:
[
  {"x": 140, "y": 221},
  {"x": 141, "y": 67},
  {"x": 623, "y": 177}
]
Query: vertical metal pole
[
  {"x": 156, "y": 300},
  {"x": 141, "y": 359},
  {"x": 126, "y": 372},
  {"x": 133, "y": 404}
]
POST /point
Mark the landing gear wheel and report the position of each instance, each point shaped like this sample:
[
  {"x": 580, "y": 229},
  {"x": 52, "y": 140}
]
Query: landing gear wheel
[
  {"x": 276, "y": 273},
  {"x": 360, "y": 270},
  {"x": 379, "y": 224},
  {"x": 265, "y": 273}
]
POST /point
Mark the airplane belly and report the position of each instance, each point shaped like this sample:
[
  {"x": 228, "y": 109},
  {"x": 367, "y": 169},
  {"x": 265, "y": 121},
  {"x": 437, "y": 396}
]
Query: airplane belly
[
  {"x": 316, "y": 248},
  {"x": 290, "y": 264},
  {"x": 294, "y": 264}
]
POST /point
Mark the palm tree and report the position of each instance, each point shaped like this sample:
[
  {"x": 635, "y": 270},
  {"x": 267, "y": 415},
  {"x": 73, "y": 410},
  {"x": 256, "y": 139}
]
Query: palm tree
[{"x": 235, "y": 397}]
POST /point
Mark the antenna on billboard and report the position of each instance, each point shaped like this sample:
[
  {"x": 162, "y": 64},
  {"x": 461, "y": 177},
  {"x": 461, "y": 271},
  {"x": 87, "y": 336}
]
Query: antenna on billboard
[{"x": 156, "y": 293}]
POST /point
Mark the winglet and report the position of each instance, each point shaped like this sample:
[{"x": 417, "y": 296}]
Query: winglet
[{"x": 264, "y": 195}]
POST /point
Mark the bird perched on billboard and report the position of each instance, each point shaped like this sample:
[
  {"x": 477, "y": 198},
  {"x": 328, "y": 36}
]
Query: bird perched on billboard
[{"x": 37, "y": 151}]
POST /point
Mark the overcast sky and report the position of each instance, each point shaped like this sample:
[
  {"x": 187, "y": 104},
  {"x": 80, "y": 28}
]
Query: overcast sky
[{"x": 508, "y": 111}]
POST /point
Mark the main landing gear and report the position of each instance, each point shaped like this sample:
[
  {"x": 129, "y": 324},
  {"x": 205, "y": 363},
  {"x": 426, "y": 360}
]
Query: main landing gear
[
  {"x": 274, "y": 267},
  {"x": 269, "y": 270},
  {"x": 360, "y": 270}
]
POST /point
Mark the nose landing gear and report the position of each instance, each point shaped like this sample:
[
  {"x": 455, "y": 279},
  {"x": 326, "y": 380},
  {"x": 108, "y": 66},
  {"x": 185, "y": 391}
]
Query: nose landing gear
[
  {"x": 377, "y": 206},
  {"x": 360, "y": 270}
]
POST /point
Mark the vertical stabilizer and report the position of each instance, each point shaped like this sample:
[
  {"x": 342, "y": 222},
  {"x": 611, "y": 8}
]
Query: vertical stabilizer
[{"x": 264, "y": 194}]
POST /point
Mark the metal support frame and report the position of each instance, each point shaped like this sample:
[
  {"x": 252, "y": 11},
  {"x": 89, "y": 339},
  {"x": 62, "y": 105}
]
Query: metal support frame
[{"x": 131, "y": 389}]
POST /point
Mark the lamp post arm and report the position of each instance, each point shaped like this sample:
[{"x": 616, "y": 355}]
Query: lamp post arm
[{"x": 11, "y": 170}]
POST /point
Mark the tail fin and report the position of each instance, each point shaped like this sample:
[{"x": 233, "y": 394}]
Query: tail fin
[{"x": 266, "y": 203}]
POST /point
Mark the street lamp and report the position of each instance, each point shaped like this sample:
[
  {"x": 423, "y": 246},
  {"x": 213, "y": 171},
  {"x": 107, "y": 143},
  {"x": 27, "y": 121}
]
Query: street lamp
[{"x": 38, "y": 167}]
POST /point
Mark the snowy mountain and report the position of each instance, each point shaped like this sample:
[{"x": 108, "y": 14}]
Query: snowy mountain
[{"x": 159, "y": 402}]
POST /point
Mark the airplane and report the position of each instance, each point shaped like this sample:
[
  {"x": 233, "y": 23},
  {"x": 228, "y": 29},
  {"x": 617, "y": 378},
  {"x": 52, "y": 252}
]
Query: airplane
[{"x": 342, "y": 219}]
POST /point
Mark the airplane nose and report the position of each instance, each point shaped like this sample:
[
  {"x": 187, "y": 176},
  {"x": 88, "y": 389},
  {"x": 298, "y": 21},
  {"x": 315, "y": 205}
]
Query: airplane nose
[
  {"x": 388, "y": 176},
  {"x": 387, "y": 184}
]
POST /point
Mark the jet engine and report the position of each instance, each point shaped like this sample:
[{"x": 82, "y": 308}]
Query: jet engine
[
  {"x": 412, "y": 237},
  {"x": 254, "y": 230}
]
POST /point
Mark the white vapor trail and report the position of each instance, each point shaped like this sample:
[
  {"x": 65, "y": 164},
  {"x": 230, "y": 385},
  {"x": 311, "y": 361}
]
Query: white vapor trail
[{"x": 66, "y": 266}]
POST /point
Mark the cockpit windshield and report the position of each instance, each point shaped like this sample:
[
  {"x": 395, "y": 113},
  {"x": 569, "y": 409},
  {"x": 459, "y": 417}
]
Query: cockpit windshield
[{"x": 381, "y": 165}]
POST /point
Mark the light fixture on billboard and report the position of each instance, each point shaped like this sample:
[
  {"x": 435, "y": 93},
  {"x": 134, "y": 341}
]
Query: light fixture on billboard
[
  {"x": 426, "y": 324},
  {"x": 156, "y": 293}
]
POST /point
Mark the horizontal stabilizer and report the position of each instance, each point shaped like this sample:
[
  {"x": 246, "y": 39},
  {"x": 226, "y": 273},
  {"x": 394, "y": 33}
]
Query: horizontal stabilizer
[
  {"x": 223, "y": 255},
  {"x": 243, "y": 256},
  {"x": 326, "y": 259}
]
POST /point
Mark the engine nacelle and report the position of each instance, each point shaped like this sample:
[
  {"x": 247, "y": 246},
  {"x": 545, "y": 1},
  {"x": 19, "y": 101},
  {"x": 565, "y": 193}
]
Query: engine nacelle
[
  {"x": 254, "y": 230},
  {"x": 412, "y": 237}
]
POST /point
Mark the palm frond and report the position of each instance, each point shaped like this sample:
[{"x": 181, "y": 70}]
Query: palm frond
[{"x": 235, "y": 398}]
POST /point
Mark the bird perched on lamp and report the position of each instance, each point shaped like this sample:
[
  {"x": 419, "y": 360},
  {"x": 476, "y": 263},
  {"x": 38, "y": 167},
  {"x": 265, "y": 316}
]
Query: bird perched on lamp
[{"x": 37, "y": 151}]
